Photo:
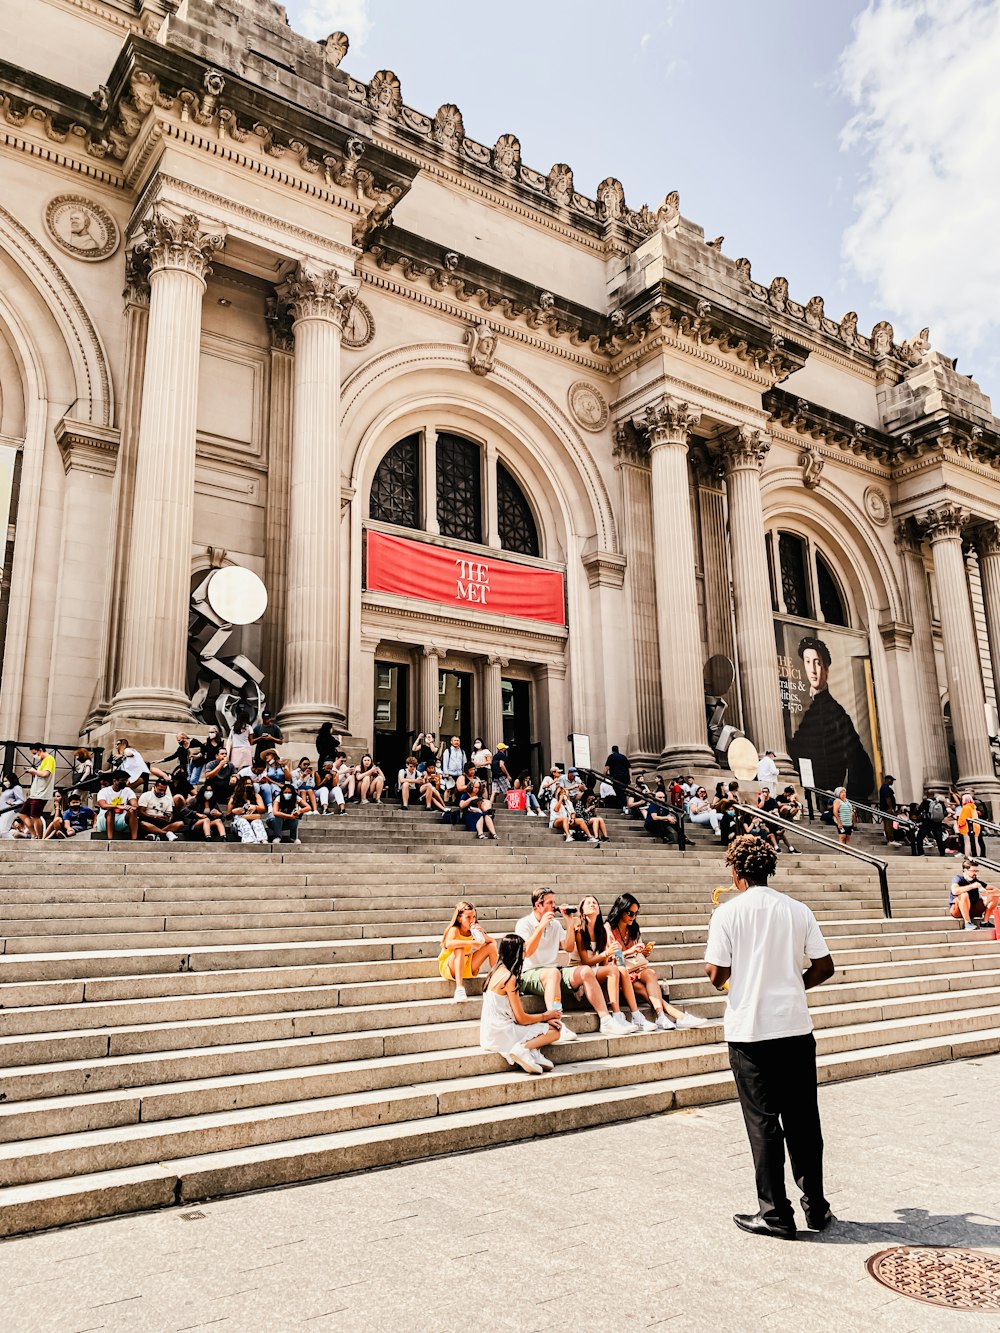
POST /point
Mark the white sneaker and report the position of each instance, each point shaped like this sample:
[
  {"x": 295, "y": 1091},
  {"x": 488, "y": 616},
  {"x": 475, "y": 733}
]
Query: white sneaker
[
  {"x": 567, "y": 1034},
  {"x": 171, "y": 837},
  {"x": 622, "y": 1024},
  {"x": 640, "y": 1023},
  {"x": 543, "y": 1060},
  {"x": 569, "y": 837},
  {"x": 691, "y": 1021},
  {"x": 460, "y": 993},
  {"x": 664, "y": 1024},
  {"x": 609, "y": 1028},
  {"x": 594, "y": 842},
  {"x": 521, "y": 1056}
]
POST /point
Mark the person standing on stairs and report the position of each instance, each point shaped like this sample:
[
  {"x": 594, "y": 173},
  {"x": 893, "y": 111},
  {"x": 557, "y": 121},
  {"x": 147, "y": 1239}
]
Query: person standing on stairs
[{"x": 757, "y": 942}]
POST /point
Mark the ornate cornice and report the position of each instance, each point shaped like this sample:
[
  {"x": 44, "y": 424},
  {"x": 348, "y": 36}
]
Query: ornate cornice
[
  {"x": 179, "y": 244},
  {"x": 744, "y": 449},
  {"x": 85, "y": 447},
  {"x": 312, "y": 292},
  {"x": 832, "y": 428}
]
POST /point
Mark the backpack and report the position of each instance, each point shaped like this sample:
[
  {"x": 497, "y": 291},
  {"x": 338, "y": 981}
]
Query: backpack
[{"x": 935, "y": 811}]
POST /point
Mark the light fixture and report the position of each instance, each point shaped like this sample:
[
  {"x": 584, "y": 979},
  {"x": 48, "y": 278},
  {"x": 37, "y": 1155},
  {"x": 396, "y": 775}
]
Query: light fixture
[{"x": 224, "y": 301}]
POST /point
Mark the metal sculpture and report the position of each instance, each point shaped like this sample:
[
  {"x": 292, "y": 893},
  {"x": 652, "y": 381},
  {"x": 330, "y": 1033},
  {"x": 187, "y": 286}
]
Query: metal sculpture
[{"x": 225, "y": 685}]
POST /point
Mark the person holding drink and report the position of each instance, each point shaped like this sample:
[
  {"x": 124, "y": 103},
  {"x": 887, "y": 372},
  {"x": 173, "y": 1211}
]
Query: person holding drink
[{"x": 465, "y": 946}]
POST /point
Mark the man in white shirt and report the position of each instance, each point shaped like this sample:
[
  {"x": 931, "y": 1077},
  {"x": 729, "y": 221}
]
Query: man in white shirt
[
  {"x": 758, "y": 943},
  {"x": 544, "y": 935},
  {"x": 156, "y": 813},
  {"x": 767, "y": 771},
  {"x": 117, "y": 804}
]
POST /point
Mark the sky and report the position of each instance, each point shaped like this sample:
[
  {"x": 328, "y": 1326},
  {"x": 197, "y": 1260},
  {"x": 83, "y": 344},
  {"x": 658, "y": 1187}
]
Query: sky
[{"x": 851, "y": 146}]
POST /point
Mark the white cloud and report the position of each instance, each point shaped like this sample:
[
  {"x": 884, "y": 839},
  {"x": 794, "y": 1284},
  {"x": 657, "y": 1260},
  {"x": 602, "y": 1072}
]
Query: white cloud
[
  {"x": 318, "y": 18},
  {"x": 645, "y": 40},
  {"x": 922, "y": 75}
]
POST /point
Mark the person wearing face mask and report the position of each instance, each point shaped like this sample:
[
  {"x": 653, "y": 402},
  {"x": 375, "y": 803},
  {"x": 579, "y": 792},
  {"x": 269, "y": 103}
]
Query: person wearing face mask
[
  {"x": 286, "y": 811},
  {"x": 206, "y": 816}
]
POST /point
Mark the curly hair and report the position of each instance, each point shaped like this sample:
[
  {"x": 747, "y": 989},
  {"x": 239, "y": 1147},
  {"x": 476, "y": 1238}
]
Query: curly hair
[{"x": 753, "y": 859}]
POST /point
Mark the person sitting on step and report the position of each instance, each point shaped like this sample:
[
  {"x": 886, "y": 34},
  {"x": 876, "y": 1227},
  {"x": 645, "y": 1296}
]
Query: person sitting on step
[
  {"x": 431, "y": 790},
  {"x": 158, "y": 817},
  {"x": 564, "y": 819},
  {"x": 70, "y": 822},
  {"x": 476, "y": 810},
  {"x": 775, "y": 833},
  {"x": 592, "y": 819},
  {"x": 663, "y": 822},
  {"x": 504, "y": 1027},
  {"x": 409, "y": 781},
  {"x": 117, "y": 804},
  {"x": 532, "y": 808},
  {"x": 596, "y": 949},
  {"x": 465, "y": 946},
  {"x": 304, "y": 781},
  {"x": 206, "y": 818},
  {"x": 623, "y": 922},
  {"x": 247, "y": 809},
  {"x": 544, "y": 936},
  {"x": 700, "y": 810},
  {"x": 970, "y": 899},
  {"x": 286, "y": 811},
  {"x": 328, "y": 789},
  {"x": 370, "y": 781}
]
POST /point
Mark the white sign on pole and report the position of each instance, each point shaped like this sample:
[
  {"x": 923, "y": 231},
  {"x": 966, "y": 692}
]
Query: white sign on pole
[
  {"x": 806, "y": 773},
  {"x": 581, "y": 750}
]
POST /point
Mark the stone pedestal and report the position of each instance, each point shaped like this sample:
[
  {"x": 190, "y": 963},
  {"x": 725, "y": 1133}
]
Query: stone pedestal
[
  {"x": 318, "y": 300},
  {"x": 154, "y": 625},
  {"x": 943, "y": 526},
  {"x": 668, "y": 424},
  {"x": 743, "y": 454}
]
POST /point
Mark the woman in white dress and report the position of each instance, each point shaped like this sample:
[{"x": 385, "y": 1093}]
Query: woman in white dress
[{"x": 504, "y": 1027}]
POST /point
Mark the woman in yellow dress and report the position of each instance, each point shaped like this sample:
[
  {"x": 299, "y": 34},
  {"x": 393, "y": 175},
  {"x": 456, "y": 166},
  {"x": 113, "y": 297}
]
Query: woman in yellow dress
[{"x": 465, "y": 946}]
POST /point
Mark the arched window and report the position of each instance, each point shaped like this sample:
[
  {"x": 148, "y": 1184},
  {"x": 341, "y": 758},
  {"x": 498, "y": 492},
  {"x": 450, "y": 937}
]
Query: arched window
[
  {"x": 459, "y": 488},
  {"x": 831, "y": 603},
  {"x": 515, "y": 521},
  {"x": 792, "y": 565},
  {"x": 395, "y": 496}
]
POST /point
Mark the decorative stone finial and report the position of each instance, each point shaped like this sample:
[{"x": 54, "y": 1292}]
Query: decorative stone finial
[{"x": 336, "y": 47}]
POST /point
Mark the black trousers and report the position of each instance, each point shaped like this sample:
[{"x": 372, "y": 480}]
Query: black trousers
[
  {"x": 776, "y": 1081},
  {"x": 930, "y": 828}
]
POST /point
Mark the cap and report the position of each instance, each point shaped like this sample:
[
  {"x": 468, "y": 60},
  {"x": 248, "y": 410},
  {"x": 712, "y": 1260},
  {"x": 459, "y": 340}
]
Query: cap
[{"x": 501, "y": 746}]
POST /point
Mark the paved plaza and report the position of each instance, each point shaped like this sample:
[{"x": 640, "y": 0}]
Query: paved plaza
[{"x": 622, "y": 1227}]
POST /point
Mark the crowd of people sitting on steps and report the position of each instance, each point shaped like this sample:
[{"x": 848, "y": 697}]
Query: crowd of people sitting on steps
[{"x": 558, "y": 955}]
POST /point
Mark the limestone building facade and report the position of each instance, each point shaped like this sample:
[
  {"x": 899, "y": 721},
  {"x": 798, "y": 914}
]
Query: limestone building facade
[{"x": 511, "y": 458}]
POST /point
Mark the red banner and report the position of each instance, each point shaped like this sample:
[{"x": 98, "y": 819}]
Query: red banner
[{"x": 435, "y": 574}]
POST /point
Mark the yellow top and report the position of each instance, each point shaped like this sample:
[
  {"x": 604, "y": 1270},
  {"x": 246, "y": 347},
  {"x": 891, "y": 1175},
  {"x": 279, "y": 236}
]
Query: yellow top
[{"x": 444, "y": 959}]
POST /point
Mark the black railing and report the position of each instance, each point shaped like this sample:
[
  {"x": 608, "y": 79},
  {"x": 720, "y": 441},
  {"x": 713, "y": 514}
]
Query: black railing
[
  {"x": 802, "y": 831},
  {"x": 873, "y": 812},
  {"x": 17, "y": 759},
  {"x": 628, "y": 789}
]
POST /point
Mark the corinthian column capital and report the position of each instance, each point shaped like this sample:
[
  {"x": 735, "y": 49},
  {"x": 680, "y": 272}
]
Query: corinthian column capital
[
  {"x": 744, "y": 448},
  {"x": 312, "y": 292},
  {"x": 986, "y": 539},
  {"x": 179, "y": 243},
  {"x": 945, "y": 521},
  {"x": 136, "y": 289},
  {"x": 668, "y": 421}
]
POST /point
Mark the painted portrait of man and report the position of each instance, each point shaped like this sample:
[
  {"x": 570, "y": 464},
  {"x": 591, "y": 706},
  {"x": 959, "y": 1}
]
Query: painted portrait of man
[{"x": 826, "y": 735}]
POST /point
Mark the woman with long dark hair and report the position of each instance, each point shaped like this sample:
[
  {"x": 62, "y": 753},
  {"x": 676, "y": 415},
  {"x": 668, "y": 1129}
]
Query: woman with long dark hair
[
  {"x": 504, "y": 1026},
  {"x": 327, "y": 744},
  {"x": 206, "y": 817},
  {"x": 596, "y": 949},
  {"x": 247, "y": 810},
  {"x": 370, "y": 780},
  {"x": 634, "y": 958}
]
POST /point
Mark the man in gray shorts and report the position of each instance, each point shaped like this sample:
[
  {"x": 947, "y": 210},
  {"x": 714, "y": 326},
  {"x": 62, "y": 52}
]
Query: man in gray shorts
[{"x": 544, "y": 936}]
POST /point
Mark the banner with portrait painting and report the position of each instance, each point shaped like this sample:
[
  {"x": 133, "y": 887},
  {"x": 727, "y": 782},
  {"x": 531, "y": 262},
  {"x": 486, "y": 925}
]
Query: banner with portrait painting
[{"x": 828, "y": 705}]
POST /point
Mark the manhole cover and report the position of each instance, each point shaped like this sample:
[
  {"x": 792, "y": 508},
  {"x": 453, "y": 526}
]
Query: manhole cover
[{"x": 956, "y": 1279}]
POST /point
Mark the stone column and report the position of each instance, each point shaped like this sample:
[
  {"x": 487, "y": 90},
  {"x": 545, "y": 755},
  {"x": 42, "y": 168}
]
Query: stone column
[
  {"x": 987, "y": 539},
  {"x": 136, "y": 312},
  {"x": 430, "y": 697},
  {"x": 637, "y": 522},
  {"x": 743, "y": 452},
  {"x": 318, "y": 299},
  {"x": 279, "y": 443},
  {"x": 668, "y": 424},
  {"x": 937, "y": 770},
  {"x": 153, "y": 663},
  {"x": 715, "y": 561},
  {"x": 493, "y": 701},
  {"x": 492, "y": 526},
  {"x": 944, "y": 525},
  {"x": 555, "y": 719},
  {"x": 428, "y": 480}
]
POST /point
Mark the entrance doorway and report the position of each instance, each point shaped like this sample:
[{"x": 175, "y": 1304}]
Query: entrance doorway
[
  {"x": 389, "y": 730},
  {"x": 517, "y": 727},
  {"x": 455, "y": 707}
]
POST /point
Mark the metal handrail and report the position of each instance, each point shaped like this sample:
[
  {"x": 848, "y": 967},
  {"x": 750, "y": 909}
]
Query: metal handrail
[
  {"x": 802, "y": 831},
  {"x": 16, "y": 757},
  {"x": 874, "y": 811}
]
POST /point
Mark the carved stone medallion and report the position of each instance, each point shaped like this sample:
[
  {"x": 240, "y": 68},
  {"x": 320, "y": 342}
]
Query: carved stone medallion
[
  {"x": 359, "y": 326},
  {"x": 587, "y": 406},
  {"x": 81, "y": 228},
  {"x": 877, "y": 505}
]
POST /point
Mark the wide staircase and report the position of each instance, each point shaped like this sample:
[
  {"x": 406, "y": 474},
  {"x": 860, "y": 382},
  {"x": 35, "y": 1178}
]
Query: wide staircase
[{"x": 179, "y": 1021}]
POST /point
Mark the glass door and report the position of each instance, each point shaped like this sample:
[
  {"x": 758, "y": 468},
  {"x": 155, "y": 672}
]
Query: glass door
[{"x": 390, "y": 740}]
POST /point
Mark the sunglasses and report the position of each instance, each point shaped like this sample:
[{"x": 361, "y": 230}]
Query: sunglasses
[{"x": 631, "y": 911}]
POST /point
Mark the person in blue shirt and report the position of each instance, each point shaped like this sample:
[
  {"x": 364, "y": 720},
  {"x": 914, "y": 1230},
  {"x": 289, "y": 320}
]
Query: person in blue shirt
[{"x": 75, "y": 818}]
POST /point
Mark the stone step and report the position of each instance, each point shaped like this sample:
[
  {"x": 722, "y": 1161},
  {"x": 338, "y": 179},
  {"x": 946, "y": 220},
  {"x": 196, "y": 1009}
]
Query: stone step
[{"x": 111, "y": 1190}]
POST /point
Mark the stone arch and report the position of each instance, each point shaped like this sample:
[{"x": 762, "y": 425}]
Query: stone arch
[
  {"x": 840, "y": 528},
  {"x": 391, "y": 387},
  {"x": 94, "y": 388}
]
